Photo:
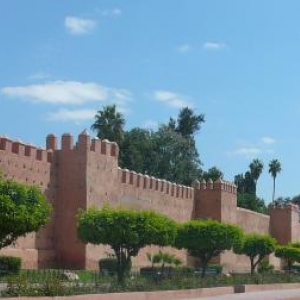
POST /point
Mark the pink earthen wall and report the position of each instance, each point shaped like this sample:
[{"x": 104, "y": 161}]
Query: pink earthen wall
[
  {"x": 30, "y": 165},
  {"x": 78, "y": 175}
]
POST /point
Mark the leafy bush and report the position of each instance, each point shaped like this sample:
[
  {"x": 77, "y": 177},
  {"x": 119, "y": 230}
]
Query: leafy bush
[
  {"x": 10, "y": 265},
  {"x": 108, "y": 266},
  {"x": 265, "y": 267}
]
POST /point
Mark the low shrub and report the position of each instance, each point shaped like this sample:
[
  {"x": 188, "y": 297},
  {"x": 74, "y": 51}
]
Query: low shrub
[
  {"x": 10, "y": 265},
  {"x": 108, "y": 266}
]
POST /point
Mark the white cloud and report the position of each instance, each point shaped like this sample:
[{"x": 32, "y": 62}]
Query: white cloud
[
  {"x": 78, "y": 26},
  {"x": 67, "y": 92},
  {"x": 268, "y": 140},
  {"x": 72, "y": 115},
  {"x": 39, "y": 76},
  {"x": 184, "y": 48},
  {"x": 172, "y": 99},
  {"x": 115, "y": 12},
  {"x": 249, "y": 152},
  {"x": 213, "y": 46}
]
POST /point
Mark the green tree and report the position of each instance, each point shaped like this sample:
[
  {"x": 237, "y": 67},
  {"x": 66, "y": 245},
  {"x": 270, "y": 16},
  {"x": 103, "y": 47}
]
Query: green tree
[
  {"x": 213, "y": 173},
  {"x": 289, "y": 253},
  {"x": 256, "y": 247},
  {"x": 23, "y": 209},
  {"x": 176, "y": 157},
  {"x": 137, "y": 151},
  {"x": 251, "y": 202},
  {"x": 274, "y": 169},
  {"x": 256, "y": 168},
  {"x": 188, "y": 122},
  {"x": 169, "y": 152},
  {"x": 125, "y": 231},
  {"x": 206, "y": 239},
  {"x": 109, "y": 124},
  {"x": 246, "y": 188},
  {"x": 239, "y": 181}
]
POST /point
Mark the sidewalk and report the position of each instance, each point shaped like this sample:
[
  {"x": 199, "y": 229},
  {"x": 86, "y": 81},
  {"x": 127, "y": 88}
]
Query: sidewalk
[{"x": 292, "y": 294}]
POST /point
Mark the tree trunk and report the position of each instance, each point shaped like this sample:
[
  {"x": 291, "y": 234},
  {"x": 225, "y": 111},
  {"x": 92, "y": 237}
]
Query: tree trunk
[
  {"x": 273, "y": 196},
  {"x": 123, "y": 266},
  {"x": 204, "y": 264},
  {"x": 252, "y": 266}
]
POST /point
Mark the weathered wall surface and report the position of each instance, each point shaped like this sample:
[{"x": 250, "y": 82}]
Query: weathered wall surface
[
  {"x": 29, "y": 165},
  {"x": 108, "y": 184},
  {"x": 86, "y": 173},
  {"x": 251, "y": 221}
]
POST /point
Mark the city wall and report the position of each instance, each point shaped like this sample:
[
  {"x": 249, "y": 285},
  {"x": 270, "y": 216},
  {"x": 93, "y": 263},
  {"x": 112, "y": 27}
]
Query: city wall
[{"x": 80, "y": 174}]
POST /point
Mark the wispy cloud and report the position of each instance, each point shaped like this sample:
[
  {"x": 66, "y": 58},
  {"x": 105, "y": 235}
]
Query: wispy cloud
[
  {"x": 39, "y": 76},
  {"x": 114, "y": 12},
  {"x": 262, "y": 146},
  {"x": 79, "y": 26},
  {"x": 268, "y": 140},
  {"x": 248, "y": 152},
  {"x": 172, "y": 99},
  {"x": 72, "y": 115},
  {"x": 214, "y": 46},
  {"x": 184, "y": 48},
  {"x": 67, "y": 92}
]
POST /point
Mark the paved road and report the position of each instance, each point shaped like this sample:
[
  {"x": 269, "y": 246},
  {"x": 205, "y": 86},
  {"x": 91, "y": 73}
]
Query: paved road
[{"x": 293, "y": 294}]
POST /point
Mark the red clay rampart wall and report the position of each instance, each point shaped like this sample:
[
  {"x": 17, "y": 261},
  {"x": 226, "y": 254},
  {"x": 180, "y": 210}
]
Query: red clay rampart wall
[
  {"x": 86, "y": 173},
  {"x": 30, "y": 165},
  {"x": 251, "y": 221}
]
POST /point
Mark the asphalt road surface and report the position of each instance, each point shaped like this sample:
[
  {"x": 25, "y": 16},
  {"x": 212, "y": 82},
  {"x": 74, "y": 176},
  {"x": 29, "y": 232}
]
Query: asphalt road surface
[{"x": 293, "y": 294}]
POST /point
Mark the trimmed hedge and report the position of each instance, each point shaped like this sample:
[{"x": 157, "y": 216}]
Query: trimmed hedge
[{"x": 10, "y": 265}]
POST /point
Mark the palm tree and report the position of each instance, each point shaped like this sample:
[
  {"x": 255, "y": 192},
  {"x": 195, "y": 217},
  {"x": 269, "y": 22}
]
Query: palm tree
[
  {"x": 256, "y": 167},
  {"x": 274, "y": 169},
  {"x": 109, "y": 124}
]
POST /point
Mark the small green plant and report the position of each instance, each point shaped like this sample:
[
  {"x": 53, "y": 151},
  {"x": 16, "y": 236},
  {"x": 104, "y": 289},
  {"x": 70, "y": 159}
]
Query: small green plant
[
  {"x": 163, "y": 258},
  {"x": 10, "y": 265},
  {"x": 265, "y": 267}
]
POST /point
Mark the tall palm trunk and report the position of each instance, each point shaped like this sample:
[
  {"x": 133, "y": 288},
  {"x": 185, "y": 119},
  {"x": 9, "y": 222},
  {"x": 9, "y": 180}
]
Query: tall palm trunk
[{"x": 273, "y": 196}]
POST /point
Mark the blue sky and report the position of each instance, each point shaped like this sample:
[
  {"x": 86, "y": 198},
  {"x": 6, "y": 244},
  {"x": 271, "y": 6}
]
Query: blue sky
[{"x": 236, "y": 61}]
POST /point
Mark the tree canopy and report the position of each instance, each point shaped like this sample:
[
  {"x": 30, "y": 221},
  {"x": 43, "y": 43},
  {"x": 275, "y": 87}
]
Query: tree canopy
[
  {"x": 125, "y": 231},
  {"x": 274, "y": 169},
  {"x": 256, "y": 247},
  {"x": 23, "y": 209},
  {"x": 246, "y": 188},
  {"x": 187, "y": 123},
  {"x": 289, "y": 253},
  {"x": 109, "y": 124},
  {"x": 206, "y": 239},
  {"x": 169, "y": 152},
  {"x": 213, "y": 173}
]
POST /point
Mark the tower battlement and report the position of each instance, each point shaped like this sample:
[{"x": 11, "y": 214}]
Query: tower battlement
[
  {"x": 218, "y": 185},
  {"x": 84, "y": 144}
]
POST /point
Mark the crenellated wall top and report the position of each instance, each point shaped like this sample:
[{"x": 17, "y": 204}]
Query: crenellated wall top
[
  {"x": 219, "y": 185},
  {"x": 146, "y": 182},
  {"x": 83, "y": 144},
  {"x": 17, "y": 147},
  {"x": 283, "y": 206}
]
